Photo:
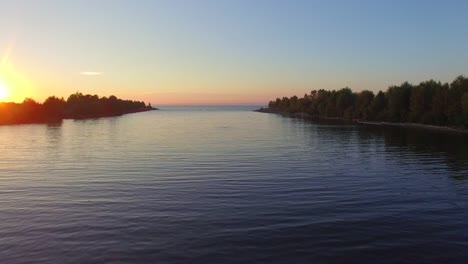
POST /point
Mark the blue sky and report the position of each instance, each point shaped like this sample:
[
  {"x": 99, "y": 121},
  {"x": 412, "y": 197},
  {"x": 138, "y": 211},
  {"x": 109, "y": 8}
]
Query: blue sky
[{"x": 202, "y": 52}]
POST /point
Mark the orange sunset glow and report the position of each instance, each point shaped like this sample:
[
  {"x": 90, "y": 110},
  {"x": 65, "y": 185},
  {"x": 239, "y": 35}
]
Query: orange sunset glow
[
  {"x": 3, "y": 92},
  {"x": 14, "y": 87}
]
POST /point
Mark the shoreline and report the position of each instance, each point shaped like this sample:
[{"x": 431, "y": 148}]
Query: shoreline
[
  {"x": 51, "y": 120},
  {"x": 363, "y": 123},
  {"x": 303, "y": 115},
  {"x": 77, "y": 106},
  {"x": 110, "y": 115},
  {"x": 415, "y": 125}
]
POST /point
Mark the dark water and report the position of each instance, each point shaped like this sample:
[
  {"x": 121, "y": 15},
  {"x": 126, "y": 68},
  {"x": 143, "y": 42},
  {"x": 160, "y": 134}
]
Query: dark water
[{"x": 225, "y": 185}]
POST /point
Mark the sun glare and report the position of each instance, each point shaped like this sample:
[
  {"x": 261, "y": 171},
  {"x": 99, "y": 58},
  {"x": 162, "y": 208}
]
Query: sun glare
[{"x": 3, "y": 91}]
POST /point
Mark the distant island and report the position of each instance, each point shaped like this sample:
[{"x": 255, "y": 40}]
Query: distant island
[
  {"x": 429, "y": 104},
  {"x": 77, "y": 106}
]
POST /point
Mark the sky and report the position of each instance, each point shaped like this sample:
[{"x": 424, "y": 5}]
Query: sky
[{"x": 225, "y": 52}]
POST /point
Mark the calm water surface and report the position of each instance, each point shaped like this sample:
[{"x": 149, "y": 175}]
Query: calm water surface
[{"x": 226, "y": 185}]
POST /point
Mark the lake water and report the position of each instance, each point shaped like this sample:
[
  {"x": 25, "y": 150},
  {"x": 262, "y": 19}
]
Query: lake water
[{"x": 227, "y": 185}]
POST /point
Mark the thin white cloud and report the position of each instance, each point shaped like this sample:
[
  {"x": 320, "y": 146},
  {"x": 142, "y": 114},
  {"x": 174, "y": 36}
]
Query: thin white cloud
[{"x": 90, "y": 73}]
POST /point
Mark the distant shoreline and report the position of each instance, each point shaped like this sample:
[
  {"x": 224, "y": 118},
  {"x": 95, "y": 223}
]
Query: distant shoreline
[
  {"x": 52, "y": 120},
  {"x": 147, "y": 109},
  {"x": 77, "y": 106},
  {"x": 363, "y": 123}
]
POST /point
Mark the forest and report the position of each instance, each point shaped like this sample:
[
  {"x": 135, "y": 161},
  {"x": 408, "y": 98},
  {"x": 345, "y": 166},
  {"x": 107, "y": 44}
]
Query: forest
[
  {"x": 77, "y": 106},
  {"x": 429, "y": 102}
]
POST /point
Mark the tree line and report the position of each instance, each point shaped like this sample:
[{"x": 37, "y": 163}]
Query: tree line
[
  {"x": 430, "y": 102},
  {"x": 77, "y": 106}
]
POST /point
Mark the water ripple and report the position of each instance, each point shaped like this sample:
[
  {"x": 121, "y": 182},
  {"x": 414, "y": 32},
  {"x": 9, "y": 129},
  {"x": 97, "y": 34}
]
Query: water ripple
[{"x": 230, "y": 186}]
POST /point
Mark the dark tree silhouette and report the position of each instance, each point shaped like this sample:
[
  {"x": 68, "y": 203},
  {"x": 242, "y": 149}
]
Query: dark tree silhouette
[
  {"x": 77, "y": 106},
  {"x": 430, "y": 102}
]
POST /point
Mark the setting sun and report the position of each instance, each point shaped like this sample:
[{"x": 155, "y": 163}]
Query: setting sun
[{"x": 3, "y": 91}]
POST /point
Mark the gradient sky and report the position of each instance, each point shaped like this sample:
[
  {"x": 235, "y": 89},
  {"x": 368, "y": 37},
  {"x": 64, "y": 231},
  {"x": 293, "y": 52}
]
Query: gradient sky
[{"x": 226, "y": 52}]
